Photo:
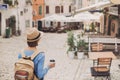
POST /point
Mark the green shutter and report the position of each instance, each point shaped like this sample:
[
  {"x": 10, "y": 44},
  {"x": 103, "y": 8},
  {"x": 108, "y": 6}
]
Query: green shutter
[{"x": 40, "y": 10}]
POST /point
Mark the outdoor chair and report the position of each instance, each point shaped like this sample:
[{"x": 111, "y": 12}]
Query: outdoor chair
[
  {"x": 97, "y": 47},
  {"x": 102, "y": 68}
]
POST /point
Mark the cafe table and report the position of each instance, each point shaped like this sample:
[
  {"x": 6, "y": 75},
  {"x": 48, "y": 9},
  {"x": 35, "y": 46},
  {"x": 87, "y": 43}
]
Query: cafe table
[{"x": 96, "y": 55}]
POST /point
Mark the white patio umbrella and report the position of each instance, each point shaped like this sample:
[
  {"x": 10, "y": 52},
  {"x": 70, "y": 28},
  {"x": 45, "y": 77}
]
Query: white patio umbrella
[
  {"x": 86, "y": 16},
  {"x": 81, "y": 17},
  {"x": 55, "y": 17}
]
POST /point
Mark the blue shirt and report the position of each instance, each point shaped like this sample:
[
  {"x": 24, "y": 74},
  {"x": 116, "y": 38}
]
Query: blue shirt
[{"x": 39, "y": 69}]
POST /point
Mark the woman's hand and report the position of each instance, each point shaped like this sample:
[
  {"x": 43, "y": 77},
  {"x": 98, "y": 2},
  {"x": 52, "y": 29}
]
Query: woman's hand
[{"x": 51, "y": 65}]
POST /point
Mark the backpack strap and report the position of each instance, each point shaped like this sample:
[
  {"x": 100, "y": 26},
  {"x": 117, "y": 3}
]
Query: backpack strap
[
  {"x": 36, "y": 52},
  {"x": 23, "y": 54}
]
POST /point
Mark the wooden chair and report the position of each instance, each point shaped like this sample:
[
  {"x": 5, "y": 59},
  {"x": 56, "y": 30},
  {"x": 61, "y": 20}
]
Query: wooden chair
[
  {"x": 102, "y": 68},
  {"x": 97, "y": 47}
]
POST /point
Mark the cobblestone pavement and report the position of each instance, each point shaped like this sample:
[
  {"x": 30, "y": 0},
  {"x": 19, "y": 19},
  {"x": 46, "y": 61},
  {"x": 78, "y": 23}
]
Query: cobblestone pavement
[
  {"x": 54, "y": 46},
  {"x": 85, "y": 74}
]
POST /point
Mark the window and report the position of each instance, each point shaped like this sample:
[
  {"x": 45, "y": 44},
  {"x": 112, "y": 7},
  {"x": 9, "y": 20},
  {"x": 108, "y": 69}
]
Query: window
[
  {"x": 47, "y": 9},
  {"x": 40, "y": 10},
  {"x": 32, "y": 24},
  {"x": 21, "y": 13},
  {"x": 61, "y": 9},
  {"x": 113, "y": 27},
  {"x": 57, "y": 9},
  {"x": 27, "y": 23},
  {"x": 69, "y": 8}
]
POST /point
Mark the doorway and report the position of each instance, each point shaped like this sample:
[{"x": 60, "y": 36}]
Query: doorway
[
  {"x": 59, "y": 24},
  {"x": 39, "y": 25},
  {"x": 12, "y": 24}
]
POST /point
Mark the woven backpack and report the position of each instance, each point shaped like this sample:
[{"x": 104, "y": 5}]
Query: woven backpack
[{"x": 24, "y": 67}]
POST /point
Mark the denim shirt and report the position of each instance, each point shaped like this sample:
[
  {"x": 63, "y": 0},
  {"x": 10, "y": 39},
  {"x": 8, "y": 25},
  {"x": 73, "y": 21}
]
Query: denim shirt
[{"x": 39, "y": 69}]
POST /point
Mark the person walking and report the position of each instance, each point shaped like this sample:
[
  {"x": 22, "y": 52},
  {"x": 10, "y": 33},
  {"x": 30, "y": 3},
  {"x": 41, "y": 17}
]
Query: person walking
[{"x": 33, "y": 38}]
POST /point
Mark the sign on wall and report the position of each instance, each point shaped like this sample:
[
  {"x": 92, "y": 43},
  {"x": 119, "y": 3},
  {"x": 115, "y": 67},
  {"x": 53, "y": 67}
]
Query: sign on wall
[{"x": 3, "y": 6}]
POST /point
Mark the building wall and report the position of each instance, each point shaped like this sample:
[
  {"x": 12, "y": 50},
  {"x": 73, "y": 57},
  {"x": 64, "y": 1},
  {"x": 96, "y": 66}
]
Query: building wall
[
  {"x": 36, "y": 5},
  {"x": 5, "y": 16},
  {"x": 85, "y": 3},
  {"x": 52, "y": 4},
  {"x": 20, "y": 16}
]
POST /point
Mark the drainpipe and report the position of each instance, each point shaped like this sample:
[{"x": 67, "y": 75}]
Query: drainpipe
[{"x": 119, "y": 20}]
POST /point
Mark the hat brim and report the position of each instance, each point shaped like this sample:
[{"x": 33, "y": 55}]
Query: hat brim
[{"x": 36, "y": 39}]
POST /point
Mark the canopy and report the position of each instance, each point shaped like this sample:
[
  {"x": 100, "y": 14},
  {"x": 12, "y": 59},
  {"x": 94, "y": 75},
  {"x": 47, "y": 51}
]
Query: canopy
[
  {"x": 55, "y": 17},
  {"x": 86, "y": 16},
  {"x": 102, "y": 4}
]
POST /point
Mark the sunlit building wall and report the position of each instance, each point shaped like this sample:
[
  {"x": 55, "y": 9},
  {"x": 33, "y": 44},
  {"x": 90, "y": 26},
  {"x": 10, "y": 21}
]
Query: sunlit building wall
[
  {"x": 60, "y": 7},
  {"x": 20, "y": 12}
]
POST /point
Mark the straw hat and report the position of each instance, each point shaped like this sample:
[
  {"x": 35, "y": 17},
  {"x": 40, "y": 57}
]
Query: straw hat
[{"x": 33, "y": 34}]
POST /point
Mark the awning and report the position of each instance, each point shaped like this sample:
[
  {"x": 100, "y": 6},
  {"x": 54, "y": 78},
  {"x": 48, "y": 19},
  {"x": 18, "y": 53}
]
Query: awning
[
  {"x": 95, "y": 6},
  {"x": 85, "y": 16},
  {"x": 55, "y": 17}
]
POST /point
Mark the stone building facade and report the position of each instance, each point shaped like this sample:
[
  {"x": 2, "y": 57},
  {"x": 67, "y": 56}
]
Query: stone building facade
[{"x": 15, "y": 15}]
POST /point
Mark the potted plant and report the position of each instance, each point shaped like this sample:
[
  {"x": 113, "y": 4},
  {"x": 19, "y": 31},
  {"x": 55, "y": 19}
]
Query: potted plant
[
  {"x": 71, "y": 44},
  {"x": 81, "y": 46}
]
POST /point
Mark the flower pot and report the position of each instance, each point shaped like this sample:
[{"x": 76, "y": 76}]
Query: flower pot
[
  {"x": 80, "y": 55},
  {"x": 71, "y": 54}
]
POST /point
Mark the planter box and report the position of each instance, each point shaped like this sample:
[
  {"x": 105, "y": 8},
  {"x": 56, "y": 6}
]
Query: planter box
[
  {"x": 80, "y": 55},
  {"x": 71, "y": 54}
]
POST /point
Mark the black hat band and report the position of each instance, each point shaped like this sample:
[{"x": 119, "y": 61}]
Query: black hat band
[{"x": 35, "y": 38}]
